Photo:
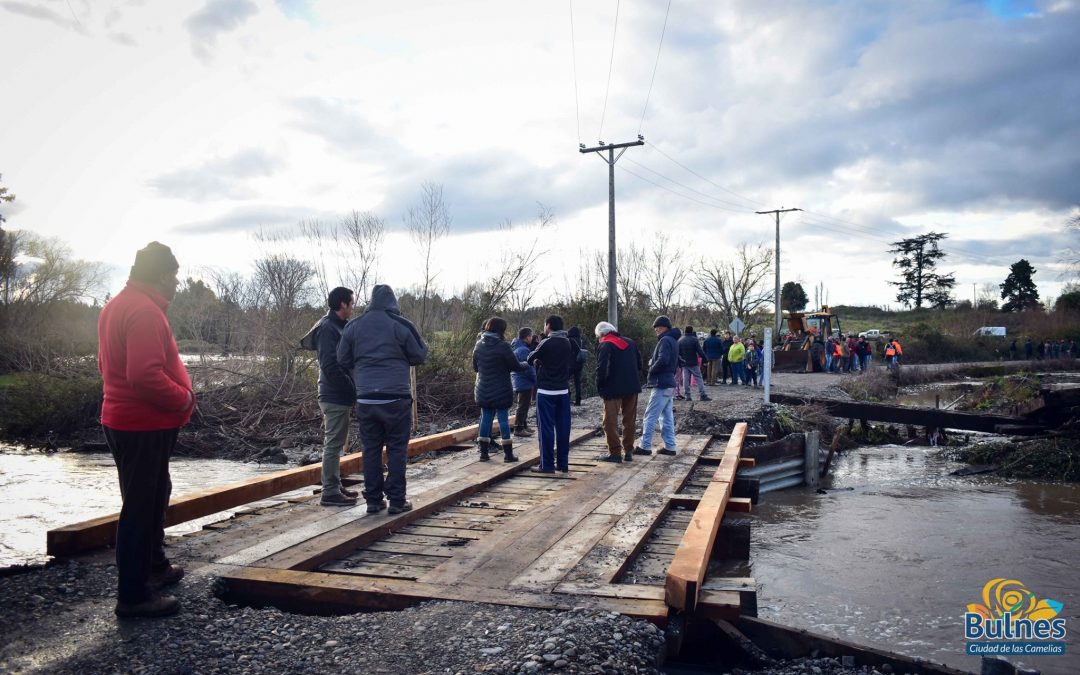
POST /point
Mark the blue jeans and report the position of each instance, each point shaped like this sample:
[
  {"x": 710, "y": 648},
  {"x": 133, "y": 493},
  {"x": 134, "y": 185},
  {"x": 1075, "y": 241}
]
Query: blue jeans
[
  {"x": 553, "y": 428},
  {"x": 661, "y": 402},
  {"x": 487, "y": 416},
  {"x": 866, "y": 362},
  {"x": 687, "y": 373},
  {"x": 738, "y": 372}
]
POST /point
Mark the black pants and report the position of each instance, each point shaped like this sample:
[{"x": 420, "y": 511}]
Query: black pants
[
  {"x": 576, "y": 374},
  {"x": 390, "y": 425},
  {"x": 142, "y": 461},
  {"x": 524, "y": 399},
  {"x": 725, "y": 371}
]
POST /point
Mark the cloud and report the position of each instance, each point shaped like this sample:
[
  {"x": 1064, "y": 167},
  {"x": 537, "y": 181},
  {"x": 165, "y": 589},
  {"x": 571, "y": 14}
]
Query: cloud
[
  {"x": 345, "y": 130},
  {"x": 253, "y": 217},
  {"x": 41, "y": 13},
  {"x": 216, "y": 18},
  {"x": 223, "y": 178}
]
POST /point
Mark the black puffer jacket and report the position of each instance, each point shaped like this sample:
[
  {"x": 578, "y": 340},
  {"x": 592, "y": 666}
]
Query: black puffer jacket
[{"x": 493, "y": 360}]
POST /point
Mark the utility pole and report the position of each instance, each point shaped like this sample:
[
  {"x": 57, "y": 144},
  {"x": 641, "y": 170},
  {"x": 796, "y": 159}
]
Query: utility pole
[
  {"x": 776, "y": 290},
  {"x": 612, "y": 287}
]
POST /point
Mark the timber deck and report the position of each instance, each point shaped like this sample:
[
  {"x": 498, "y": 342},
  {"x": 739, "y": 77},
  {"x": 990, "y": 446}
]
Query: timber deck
[{"x": 634, "y": 538}]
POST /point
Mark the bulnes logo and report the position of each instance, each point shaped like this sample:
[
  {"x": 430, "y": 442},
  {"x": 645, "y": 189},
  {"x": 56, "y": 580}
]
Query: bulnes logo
[{"x": 1012, "y": 620}]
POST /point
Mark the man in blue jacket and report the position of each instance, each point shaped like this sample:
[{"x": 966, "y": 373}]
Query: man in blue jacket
[
  {"x": 691, "y": 353},
  {"x": 618, "y": 363},
  {"x": 553, "y": 358},
  {"x": 337, "y": 394},
  {"x": 378, "y": 348},
  {"x": 662, "y": 365},
  {"x": 524, "y": 382},
  {"x": 714, "y": 352}
]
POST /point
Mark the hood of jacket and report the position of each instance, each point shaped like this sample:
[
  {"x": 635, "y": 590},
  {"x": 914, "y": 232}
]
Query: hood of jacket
[
  {"x": 613, "y": 339},
  {"x": 489, "y": 338},
  {"x": 383, "y": 299}
]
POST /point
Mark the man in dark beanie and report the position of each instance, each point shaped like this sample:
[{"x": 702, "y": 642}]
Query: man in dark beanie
[
  {"x": 148, "y": 397},
  {"x": 662, "y": 365}
]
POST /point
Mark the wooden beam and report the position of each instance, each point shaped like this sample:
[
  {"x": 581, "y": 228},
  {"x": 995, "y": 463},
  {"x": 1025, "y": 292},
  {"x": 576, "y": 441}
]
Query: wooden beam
[
  {"x": 688, "y": 567},
  {"x": 747, "y": 462},
  {"x": 344, "y": 593},
  {"x": 99, "y": 532}
]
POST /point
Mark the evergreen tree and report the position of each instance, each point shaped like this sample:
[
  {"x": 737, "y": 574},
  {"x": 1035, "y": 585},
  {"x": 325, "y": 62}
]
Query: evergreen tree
[
  {"x": 1019, "y": 290},
  {"x": 917, "y": 260},
  {"x": 793, "y": 297}
]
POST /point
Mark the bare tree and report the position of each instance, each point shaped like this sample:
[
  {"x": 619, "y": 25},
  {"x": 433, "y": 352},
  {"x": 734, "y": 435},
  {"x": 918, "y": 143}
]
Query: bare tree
[
  {"x": 663, "y": 275},
  {"x": 44, "y": 272},
  {"x": 346, "y": 252},
  {"x": 518, "y": 267},
  {"x": 737, "y": 287},
  {"x": 281, "y": 285},
  {"x": 362, "y": 232},
  {"x": 428, "y": 222}
]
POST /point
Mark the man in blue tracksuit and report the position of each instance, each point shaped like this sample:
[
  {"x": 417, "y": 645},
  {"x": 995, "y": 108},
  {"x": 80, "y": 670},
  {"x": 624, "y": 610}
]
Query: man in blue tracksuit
[
  {"x": 553, "y": 358},
  {"x": 662, "y": 365},
  {"x": 524, "y": 382}
]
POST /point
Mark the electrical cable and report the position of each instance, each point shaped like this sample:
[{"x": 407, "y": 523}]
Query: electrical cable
[
  {"x": 656, "y": 65},
  {"x": 573, "y": 58},
  {"x": 611, "y": 65}
]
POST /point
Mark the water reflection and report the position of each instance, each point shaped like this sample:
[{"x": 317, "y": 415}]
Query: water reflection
[
  {"x": 894, "y": 560},
  {"x": 39, "y": 492}
]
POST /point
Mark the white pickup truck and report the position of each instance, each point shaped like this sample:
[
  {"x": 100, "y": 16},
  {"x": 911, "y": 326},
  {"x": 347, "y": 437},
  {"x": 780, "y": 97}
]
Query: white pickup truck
[{"x": 874, "y": 334}]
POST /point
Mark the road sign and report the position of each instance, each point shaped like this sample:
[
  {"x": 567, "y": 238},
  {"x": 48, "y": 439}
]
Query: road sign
[{"x": 736, "y": 325}]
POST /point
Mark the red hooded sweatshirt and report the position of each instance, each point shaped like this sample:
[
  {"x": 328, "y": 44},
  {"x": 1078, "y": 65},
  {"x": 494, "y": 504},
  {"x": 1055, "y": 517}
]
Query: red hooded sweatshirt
[{"x": 147, "y": 387}]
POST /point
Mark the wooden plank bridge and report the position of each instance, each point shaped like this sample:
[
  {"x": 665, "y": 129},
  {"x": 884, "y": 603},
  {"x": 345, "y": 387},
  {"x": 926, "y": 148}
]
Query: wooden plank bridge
[{"x": 634, "y": 538}]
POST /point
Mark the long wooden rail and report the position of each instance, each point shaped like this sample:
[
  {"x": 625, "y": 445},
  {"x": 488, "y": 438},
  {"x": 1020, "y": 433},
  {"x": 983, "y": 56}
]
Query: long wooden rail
[
  {"x": 687, "y": 571},
  {"x": 99, "y": 532}
]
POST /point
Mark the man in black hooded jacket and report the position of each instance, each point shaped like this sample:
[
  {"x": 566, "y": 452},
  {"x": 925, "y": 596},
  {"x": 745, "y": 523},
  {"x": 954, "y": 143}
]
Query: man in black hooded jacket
[{"x": 378, "y": 348}]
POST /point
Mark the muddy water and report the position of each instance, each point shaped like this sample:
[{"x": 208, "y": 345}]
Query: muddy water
[
  {"x": 893, "y": 556},
  {"x": 39, "y": 492}
]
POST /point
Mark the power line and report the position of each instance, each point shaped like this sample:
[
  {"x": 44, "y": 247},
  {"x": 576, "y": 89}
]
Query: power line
[
  {"x": 687, "y": 187},
  {"x": 611, "y": 65},
  {"x": 679, "y": 194},
  {"x": 655, "y": 66},
  {"x": 573, "y": 58},
  {"x": 710, "y": 182}
]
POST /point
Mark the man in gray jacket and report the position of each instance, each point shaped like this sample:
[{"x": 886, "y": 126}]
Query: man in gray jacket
[{"x": 378, "y": 348}]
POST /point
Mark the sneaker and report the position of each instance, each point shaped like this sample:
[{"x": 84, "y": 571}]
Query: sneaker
[
  {"x": 337, "y": 500},
  {"x": 680, "y": 397},
  {"x": 352, "y": 494},
  {"x": 628, "y": 456},
  {"x": 375, "y": 507},
  {"x": 563, "y": 469},
  {"x": 166, "y": 575},
  {"x": 523, "y": 433},
  {"x": 705, "y": 397},
  {"x": 155, "y": 605},
  {"x": 400, "y": 508},
  {"x": 665, "y": 451},
  {"x": 537, "y": 469},
  {"x": 614, "y": 459}
]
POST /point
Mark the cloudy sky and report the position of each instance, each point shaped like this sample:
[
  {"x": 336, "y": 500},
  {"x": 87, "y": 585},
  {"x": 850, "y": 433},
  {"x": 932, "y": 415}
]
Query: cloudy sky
[{"x": 197, "y": 123}]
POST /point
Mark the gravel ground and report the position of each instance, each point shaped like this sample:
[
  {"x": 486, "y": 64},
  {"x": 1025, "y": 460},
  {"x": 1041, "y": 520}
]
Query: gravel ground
[{"x": 60, "y": 620}]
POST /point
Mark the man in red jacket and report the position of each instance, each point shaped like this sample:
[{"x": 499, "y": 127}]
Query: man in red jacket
[{"x": 148, "y": 397}]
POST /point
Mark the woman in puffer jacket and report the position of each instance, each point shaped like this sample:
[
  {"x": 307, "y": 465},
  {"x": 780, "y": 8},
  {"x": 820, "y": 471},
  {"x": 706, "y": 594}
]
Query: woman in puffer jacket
[{"x": 494, "y": 360}]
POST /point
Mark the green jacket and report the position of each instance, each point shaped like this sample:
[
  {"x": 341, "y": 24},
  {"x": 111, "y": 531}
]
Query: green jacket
[{"x": 736, "y": 353}]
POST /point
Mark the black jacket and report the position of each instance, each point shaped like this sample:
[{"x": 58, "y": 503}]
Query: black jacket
[
  {"x": 553, "y": 358},
  {"x": 618, "y": 363},
  {"x": 493, "y": 360},
  {"x": 335, "y": 383},
  {"x": 690, "y": 350},
  {"x": 725, "y": 346},
  {"x": 379, "y": 346}
]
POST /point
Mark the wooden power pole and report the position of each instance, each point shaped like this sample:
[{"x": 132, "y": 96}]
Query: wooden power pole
[
  {"x": 776, "y": 290},
  {"x": 613, "y": 291}
]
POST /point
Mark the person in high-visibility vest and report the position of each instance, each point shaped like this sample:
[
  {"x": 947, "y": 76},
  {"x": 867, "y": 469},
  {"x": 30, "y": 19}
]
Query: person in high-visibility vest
[{"x": 893, "y": 352}]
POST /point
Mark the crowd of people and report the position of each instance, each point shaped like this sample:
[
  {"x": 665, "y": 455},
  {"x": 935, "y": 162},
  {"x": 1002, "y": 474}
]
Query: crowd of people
[
  {"x": 849, "y": 354},
  {"x": 1040, "y": 350}
]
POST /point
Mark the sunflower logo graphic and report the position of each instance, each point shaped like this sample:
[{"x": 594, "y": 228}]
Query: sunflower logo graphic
[{"x": 1009, "y": 595}]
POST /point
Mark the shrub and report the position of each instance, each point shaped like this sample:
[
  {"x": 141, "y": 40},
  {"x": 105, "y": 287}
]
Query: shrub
[{"x": 36, "y": 404}]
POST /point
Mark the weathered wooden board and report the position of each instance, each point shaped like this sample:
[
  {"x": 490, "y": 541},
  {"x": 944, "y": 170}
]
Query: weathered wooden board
[
  {"x": 690, "y": 564},
  {"x": 91, "y": 534}
]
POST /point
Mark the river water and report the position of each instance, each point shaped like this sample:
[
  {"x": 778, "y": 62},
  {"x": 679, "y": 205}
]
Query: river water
[
  {"x": 897, "y": 548},
  {"x": 42, "y": 491}
]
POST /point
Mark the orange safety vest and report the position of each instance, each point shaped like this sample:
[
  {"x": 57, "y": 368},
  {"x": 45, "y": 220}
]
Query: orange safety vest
[
  {"x": 890, "y": 351},
  {"x": 896, "y": 346}
]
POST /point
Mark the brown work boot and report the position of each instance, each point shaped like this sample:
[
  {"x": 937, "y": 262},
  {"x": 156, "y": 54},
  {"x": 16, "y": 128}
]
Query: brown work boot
[
  {"x": 154, "y": 606},
  {"x": 166, "y": 575},
  {"x": 400, "y": 508}
]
